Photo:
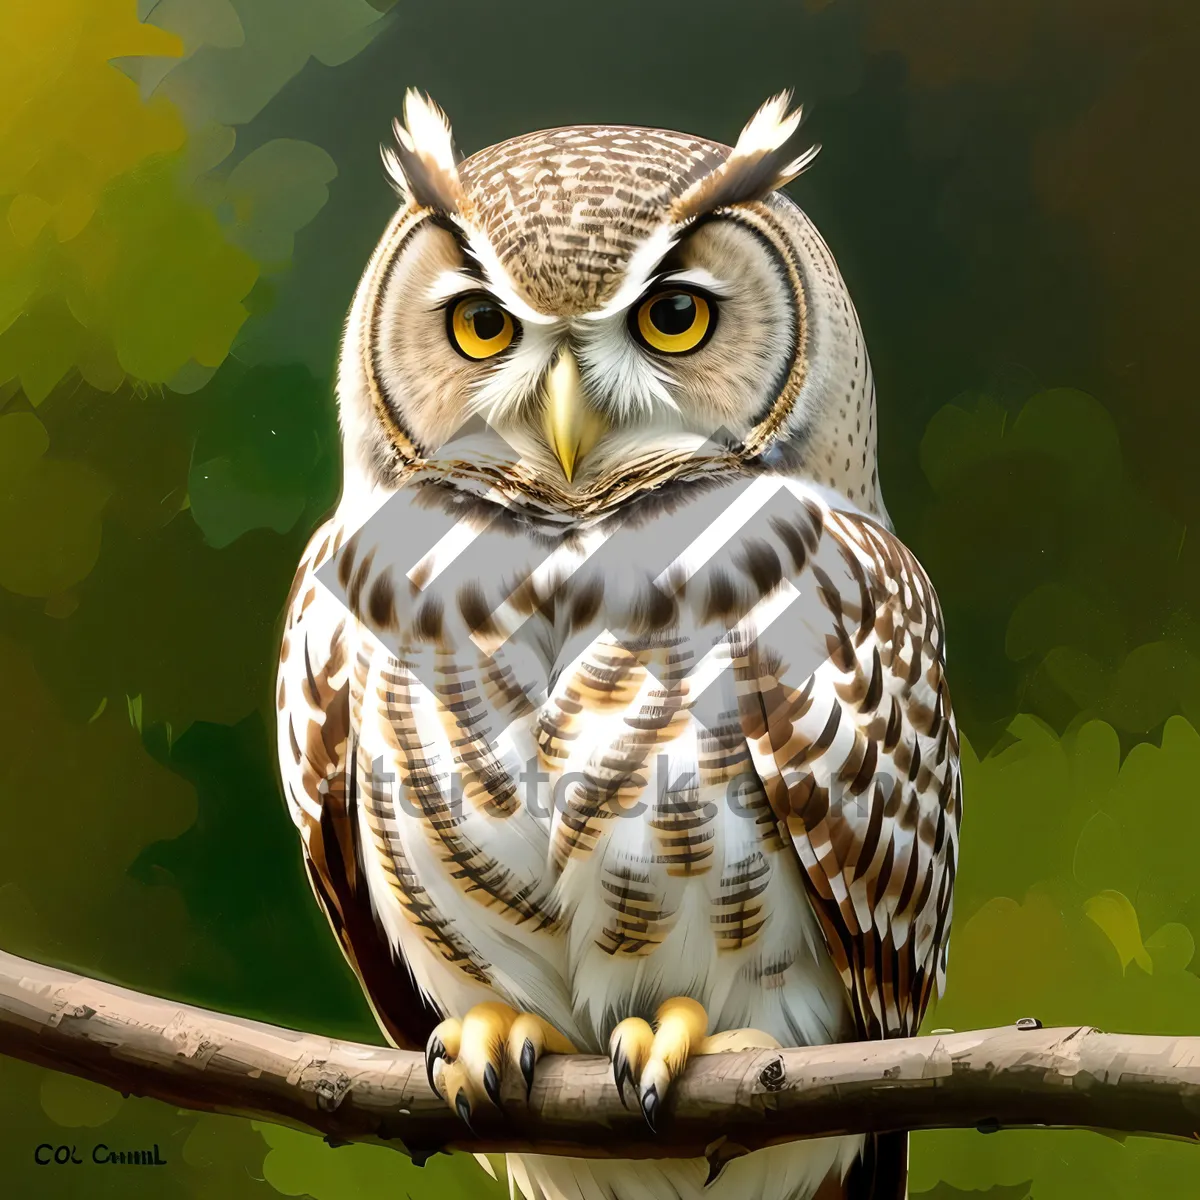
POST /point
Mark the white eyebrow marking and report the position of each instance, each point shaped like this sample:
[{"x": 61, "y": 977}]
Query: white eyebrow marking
[
  {"x": 700, "y": 278},
  {"x": 638, "y": 277},
  {"x": 639, "y": 272},
  {"x": 449, "y": 284},
  {"x": 497, "y": 278}
]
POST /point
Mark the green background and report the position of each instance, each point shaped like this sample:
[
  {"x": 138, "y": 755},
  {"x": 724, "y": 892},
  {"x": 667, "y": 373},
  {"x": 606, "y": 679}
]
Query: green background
[{"x": 188, "y": 191}]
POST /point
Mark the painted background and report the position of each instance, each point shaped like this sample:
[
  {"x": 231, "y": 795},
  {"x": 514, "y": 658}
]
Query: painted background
[{"x": 188, "y": 191}]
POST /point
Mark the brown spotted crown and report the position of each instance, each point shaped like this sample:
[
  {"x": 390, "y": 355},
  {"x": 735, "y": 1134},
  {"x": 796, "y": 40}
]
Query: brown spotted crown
[{"x": 565, "y": 210}]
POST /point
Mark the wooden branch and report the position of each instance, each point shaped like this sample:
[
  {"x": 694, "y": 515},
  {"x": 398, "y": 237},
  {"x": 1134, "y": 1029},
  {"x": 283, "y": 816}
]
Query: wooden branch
[{"x": 990, "y": 1079}]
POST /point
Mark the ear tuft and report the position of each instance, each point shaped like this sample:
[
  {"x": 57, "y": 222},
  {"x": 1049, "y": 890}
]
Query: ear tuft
[
  {"x": 423, "y": 164},
  {"x": 764, "y": 159}
]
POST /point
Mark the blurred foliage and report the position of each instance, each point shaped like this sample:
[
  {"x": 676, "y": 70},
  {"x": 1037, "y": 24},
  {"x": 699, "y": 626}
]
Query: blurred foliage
[
  {"x": 257, "y": 454},
  {"x": 107, "y": 266},
  {"x": 188, "y": 190},
  {"x": 1067, "y": 585},
  {"x": 1078, "y": 903},
  {"x": 299, "y": 1164},
  {"x": 239, "y": 54},
  {"x": 49, "y": 512}
]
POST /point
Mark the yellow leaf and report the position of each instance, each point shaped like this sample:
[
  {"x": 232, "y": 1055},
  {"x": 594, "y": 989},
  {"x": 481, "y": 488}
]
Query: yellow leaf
[{"x": 1113, "y": 913}]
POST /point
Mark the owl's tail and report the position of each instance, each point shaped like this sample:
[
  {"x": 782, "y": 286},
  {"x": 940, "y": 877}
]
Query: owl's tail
[{"x": 882, "y": 1171}]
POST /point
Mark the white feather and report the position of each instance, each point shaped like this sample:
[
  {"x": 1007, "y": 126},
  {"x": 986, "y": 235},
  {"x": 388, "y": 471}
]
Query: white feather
[
  {"x": 393, "y": 169},
  {"x": 697, "y": 277},
  {"x": 513, "y": 380},
  {"x": 426, "y": 131},
  {"x": 449, "y": 284},
  {"x": 769, "y": 128},
  {"x": 618, "y": 374},
  {"x": 498, "y": 279}
]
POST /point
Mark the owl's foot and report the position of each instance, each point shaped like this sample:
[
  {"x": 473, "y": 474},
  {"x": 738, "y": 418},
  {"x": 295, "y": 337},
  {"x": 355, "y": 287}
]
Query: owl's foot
[
  {"x": 466, "y": 1059},
  {"x": 649, "y": 1059}
]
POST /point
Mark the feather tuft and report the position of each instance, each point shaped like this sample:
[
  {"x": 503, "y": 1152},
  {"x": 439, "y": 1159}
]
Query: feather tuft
[
  {"x": 769, "y": 128},
  {"x": 763, "y": 160},
  {"x": 423, "y": 163}
]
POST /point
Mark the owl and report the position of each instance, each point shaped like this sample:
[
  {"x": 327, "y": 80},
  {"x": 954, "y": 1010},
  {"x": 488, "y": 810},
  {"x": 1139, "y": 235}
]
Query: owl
[{"x": 612, "y": 713}]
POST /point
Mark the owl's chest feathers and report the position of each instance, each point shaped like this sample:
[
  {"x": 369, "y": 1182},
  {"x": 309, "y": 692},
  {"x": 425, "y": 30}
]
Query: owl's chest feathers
[
  {"x": 558, "y": 803},
  {"x": 585, "y": 857}
]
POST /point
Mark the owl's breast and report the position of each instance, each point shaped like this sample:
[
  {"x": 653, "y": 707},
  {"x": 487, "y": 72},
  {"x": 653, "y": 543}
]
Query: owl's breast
[
  {"x": 670, "y": 870},
  {"x": 557, "y": 781},
  {"x": 587, "y": 852}
]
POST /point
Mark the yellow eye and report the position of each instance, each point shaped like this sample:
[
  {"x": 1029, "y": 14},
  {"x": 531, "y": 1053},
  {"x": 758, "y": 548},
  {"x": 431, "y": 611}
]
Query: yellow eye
[
  {"x": 674, "y": 322},
  {"x": 479, "y": 327}
]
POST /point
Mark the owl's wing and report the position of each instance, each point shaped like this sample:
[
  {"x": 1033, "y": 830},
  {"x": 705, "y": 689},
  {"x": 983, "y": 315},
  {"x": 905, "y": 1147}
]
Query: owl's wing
[
  {"x": 320, "y": 783},
  {"x": 860, "y": 761}
]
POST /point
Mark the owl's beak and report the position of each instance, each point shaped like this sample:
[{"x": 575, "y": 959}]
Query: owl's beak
[{"x": 573, "y": 427}]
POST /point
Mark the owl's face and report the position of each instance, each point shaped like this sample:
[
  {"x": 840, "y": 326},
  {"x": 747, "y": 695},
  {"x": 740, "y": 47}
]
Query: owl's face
[
  {"x": 597, "y": 294},
  {"x": 701, "y": 343}
]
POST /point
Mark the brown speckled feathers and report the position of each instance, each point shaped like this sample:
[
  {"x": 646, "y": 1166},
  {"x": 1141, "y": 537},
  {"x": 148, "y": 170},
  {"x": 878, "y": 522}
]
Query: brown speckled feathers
[
  {"x": 578, "y": 202},
  {"x": 854, "y": 767}
]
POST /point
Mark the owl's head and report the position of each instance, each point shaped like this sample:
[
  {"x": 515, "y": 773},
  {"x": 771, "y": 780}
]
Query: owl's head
[{"x": 602, "y": 297}]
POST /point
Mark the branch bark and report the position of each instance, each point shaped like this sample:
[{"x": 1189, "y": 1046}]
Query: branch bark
[{"x": 988, "y": 1079}]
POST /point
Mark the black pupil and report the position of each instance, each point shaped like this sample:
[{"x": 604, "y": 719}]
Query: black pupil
[
  {"x": 674, "y": 314},
  {"x": 487, "y": 321}
]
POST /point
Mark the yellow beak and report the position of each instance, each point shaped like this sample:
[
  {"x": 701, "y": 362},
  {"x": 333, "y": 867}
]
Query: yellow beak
[{"x": 573, "y": 427}]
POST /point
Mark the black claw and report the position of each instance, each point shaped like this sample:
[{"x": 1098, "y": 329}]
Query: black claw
[
  {"x": 621, "y": 1073},
  {"x": 463, "y": 1107},
  {"x": 650, "y": 1107},
  {"x": 527, "y": 1061},
  {"x": 491, "y": 1084},
  {"x": 433, "y": 1051}
]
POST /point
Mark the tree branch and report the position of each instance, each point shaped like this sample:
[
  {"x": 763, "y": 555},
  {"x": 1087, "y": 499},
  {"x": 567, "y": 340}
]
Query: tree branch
[{"x": 989, "y": 1079}]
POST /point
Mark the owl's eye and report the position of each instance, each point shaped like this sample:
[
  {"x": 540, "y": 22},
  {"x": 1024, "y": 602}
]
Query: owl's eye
[
  {"x": 478, "y": 327},
  {"x": 674, "y": 322}
]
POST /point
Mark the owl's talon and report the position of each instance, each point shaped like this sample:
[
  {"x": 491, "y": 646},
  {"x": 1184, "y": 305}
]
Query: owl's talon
[
  {"x": 435, "y": 1053},
  {"x": 466, "y": 1060},
  {"x": 463, "y": 1107},
  {"x": 622, "y": 1074},
  {"x": 649, "y": 1060},
  {"x": 527, "y": 1060},
  {"x": 629, "y": 1048},
  {"x": 529, "y": 1037},
  {"x": 650, "y": 1107},
  {"x": 442, "y": 1049},
  {"x": 491, "y": 1084},
  {"x": 679, "y": 1027}
]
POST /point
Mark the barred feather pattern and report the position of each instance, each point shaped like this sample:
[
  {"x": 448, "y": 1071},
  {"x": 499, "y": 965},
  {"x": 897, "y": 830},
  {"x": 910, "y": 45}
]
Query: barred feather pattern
[{"x": 535, "y": 789}]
